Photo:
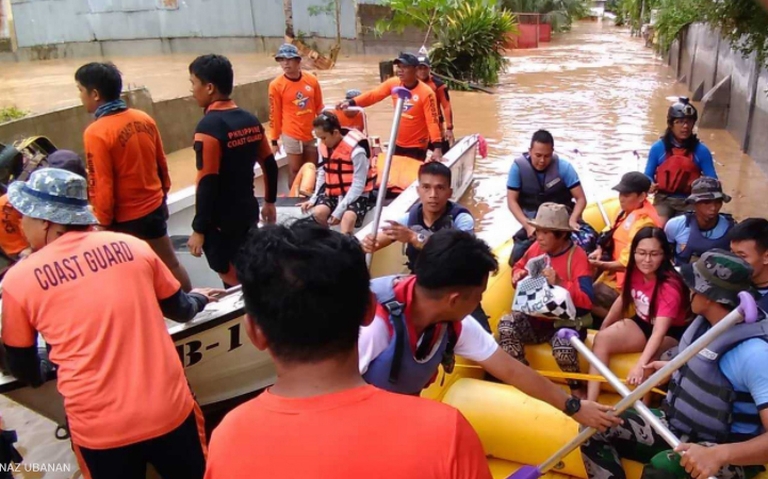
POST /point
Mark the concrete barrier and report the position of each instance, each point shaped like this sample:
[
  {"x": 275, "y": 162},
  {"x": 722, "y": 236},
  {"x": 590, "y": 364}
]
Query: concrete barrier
[
  {"x": 733, "y": 87},
  {"x": 758, "y": 140},
  {"x": 176, "y": 118}
]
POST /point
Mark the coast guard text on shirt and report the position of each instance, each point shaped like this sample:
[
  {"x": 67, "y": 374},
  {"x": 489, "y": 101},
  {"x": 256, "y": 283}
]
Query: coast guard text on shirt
[{"x": 74, "y": 267}]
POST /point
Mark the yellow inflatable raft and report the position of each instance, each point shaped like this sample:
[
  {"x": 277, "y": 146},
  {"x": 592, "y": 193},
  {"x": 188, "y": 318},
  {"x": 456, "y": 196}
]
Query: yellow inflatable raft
[{"x": 516, "y": 429}]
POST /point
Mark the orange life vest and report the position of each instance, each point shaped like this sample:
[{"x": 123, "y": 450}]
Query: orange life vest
[
  {"x": 339, "y": 169},
  {"x": 677, "y": 172},
  {"x": 403, "y": 172},
  {"x": 623, "y": 228}
]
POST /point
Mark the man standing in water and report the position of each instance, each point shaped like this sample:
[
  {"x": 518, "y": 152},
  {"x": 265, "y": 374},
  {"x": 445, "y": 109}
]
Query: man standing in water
[
  {"x": 422, "y": 321},
  {"x": 677, "y": 160},
  {"x": 128, "y": 179},
  {"x": 306, "y": 296},
  {"x": 228, "y": 143},
  {"x": 99, "y": 298},
  {"x": 420, "y": 124},
  {"x": 295, "y": 99}
]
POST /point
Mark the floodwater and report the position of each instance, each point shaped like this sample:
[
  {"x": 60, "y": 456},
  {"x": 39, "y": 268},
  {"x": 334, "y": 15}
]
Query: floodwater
[{"x": 600, "y": 92}]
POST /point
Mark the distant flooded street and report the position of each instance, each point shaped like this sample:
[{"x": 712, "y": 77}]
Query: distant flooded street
[{"x": 601, "y": 93}]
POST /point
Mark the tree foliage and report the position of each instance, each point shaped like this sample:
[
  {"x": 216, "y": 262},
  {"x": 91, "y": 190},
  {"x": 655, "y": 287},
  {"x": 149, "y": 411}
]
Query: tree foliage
[
  {"x": 558, "y": 13},
  {"x": 743, "y": 22},
  {"x": 470, "y": 35},
  {"x": 471, "y": 42}
]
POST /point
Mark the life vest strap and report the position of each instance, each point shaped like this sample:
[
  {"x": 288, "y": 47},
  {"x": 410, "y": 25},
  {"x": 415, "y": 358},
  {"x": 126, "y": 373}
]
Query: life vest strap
[{"x": 396, "y": 310}]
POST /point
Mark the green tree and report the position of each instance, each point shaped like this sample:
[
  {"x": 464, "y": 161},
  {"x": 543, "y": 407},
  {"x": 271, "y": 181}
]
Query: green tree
[
  {"x": 470, "y": 43},
  {"x": 470, "y": 35},
  {"x": 331, "y": 8},
  {"x": 558, "y": 13},
  {"x": 422, "y": 14}
]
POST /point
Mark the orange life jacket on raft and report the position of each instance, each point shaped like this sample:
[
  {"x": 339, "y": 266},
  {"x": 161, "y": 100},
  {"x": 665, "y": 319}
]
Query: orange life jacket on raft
[
  {"x": 677, "y": 172},
  {"x": 338, "y": 166}
]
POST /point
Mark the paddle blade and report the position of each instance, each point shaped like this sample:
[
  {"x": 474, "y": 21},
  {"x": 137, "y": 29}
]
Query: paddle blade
[{"x": 526, "y": 472}]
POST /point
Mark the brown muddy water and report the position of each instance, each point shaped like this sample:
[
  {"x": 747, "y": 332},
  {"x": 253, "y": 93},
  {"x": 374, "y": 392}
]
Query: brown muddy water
[{"x": 596, "y": 89}]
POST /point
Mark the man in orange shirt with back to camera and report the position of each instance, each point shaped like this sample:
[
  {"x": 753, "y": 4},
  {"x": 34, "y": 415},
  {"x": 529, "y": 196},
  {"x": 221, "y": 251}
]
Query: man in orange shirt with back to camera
[
  {"x": 420, "y": 122},
  {"x": 128, "y": 179},
  {"x": 99, "y": 298},
  {"x": 306, "y": 295},
  {"x": 295, "y": 99}
]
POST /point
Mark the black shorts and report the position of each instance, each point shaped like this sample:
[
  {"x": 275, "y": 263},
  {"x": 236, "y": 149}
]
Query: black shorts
[
  {"x": 415, "y": 153},
  {"x": 359, "y": 207},
  {"x": 149, "y": 227},
  {"x": 221, "y": 248},
  {"x": 175, "y": 455},
  {"x": 675, "y": 332}
]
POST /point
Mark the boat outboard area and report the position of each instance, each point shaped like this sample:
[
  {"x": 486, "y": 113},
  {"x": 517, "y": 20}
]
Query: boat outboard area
[{"x": 563, "y": 275}]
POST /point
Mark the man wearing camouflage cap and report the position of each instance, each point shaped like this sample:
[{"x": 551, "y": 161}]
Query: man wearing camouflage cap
[
  {"x": 98, "y": 298},
  {"x": 704, "y": 228},
  {"x": 717, "y": 404}
]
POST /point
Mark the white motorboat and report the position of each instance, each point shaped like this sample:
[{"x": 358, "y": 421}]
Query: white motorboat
[{"x": 219, "y": 363}]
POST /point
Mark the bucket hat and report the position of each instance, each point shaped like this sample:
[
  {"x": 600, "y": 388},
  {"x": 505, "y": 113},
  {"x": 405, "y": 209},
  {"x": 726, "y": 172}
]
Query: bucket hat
[
  {"x": 287, "y": 51},
  {"x": 707, "y": 189},
  {"x": 552, "y": 216},
  {"x": 719, "y": 275},
  {"x": 54, "y": 195}
]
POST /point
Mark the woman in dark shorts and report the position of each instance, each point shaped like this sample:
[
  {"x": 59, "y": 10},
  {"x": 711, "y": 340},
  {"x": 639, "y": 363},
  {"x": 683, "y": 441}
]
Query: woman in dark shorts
[{"x": 651, "y": 313}]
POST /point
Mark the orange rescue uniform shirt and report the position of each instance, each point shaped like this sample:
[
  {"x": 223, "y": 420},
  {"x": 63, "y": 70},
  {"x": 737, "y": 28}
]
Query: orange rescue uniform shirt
[
  {"x": 127, "y": 170},
  {"x": 441, "y": 93},
  {"x": 361, "y": 432},
  {"x": 94, "y": 298},
  {"x": 420, "y": 122},
  {"x": 293, "y": 105},
  {"x": 12, "y": 239},
  {"x": 355, "y": 122}
]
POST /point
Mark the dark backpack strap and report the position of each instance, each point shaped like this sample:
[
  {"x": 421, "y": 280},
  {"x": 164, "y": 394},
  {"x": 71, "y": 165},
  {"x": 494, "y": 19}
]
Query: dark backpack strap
[
  {"x": 395, "y": 310},
  {"x": 449, "y": 357}
]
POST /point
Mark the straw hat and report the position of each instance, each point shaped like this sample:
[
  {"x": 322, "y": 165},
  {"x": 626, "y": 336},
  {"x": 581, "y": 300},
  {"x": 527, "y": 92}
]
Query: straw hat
[{"x": 552, "y": 216}]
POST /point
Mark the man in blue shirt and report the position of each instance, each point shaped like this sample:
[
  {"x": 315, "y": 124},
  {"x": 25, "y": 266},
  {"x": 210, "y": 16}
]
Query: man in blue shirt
[
  {"x": 537, "y": 177},
  {"x": 749, "y": 241},
  {"x": 704, "y": 228},
  {"x": 718, "y": 407},
  {"x": 677, "y": 160}
]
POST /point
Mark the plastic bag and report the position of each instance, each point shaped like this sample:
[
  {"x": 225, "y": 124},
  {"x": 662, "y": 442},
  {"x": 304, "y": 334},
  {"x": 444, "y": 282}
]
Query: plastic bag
[{"x": 535, "y": 297}]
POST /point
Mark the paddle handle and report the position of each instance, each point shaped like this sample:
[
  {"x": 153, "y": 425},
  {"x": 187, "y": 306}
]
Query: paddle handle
[
  {"x": 746, "y": 311},
  {"x": 402, "y": 95},
  {"x": 617, "y": 384}
]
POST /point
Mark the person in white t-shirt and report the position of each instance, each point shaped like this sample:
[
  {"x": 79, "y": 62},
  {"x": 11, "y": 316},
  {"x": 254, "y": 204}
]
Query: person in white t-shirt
[{"x": 423, "y": 321}]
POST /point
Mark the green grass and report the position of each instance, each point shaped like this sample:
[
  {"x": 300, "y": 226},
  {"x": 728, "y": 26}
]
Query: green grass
[{"x": 11, "y": 113}]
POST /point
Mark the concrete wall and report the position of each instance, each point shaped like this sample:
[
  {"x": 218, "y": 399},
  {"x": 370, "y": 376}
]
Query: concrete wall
[
  {"x": 702, "y": 55},
  {"x": 175, "y": 118},
  {"x": 43, "y": 22}
]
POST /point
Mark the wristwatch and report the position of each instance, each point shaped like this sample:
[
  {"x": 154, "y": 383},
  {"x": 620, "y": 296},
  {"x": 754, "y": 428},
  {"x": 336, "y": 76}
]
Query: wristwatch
[{"x": 572, "y": 406}]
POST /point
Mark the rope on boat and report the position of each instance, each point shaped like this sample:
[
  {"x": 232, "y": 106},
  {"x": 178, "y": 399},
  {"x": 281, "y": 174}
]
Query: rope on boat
[{"x": 563, "y": 375}]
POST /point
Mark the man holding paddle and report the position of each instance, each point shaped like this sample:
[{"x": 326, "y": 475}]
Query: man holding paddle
[
  {"x": 716, "y": 403},
  {"x": 420, "y": 128},
  {"x": 423, "y": 321}
]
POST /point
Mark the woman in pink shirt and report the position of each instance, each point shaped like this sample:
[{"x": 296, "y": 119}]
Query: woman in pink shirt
[{"x": 651, "y": 313}]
